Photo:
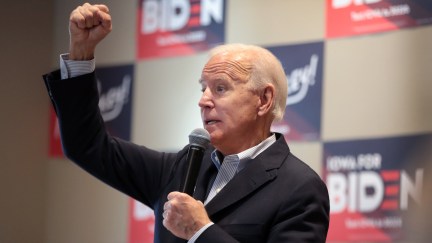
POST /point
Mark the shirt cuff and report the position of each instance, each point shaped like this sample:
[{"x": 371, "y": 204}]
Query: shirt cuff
[
  {"x": 73, "y": 68},
  {"x": 199, "y": 232}
]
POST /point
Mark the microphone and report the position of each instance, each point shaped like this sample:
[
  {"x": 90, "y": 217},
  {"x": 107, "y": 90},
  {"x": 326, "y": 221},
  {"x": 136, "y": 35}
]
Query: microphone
[{"x": 199, "y": 140}]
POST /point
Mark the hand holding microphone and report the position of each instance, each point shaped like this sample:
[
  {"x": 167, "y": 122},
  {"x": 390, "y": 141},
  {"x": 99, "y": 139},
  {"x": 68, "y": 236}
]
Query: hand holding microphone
[{"x": 183, "y": 215}]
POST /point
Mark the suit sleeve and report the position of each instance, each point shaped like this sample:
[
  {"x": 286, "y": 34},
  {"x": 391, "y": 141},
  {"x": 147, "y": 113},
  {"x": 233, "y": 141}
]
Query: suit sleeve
[{"x": 135, "y": 170}]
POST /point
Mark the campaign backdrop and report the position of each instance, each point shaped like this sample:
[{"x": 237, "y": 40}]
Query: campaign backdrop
[
  {"x": 141, "y": 223},
  {"x": 373, "y": 184},
  {"x": 115, "y": 85},
  {"x": 303, "y": 64},
  {"x": 182, "y": 27},
  {"x": 357, "y": 17}
]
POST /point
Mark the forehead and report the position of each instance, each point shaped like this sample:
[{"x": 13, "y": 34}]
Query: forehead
[{"x": 234, "y": 66}]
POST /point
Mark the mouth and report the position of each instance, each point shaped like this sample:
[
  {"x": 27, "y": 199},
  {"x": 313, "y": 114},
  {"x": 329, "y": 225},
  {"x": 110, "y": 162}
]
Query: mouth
[{"x": 210, "y": 122}]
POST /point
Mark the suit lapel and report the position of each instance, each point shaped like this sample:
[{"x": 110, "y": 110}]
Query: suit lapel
[
  {"x": 258, "y": 172},
  {"x": 206, "y": 173},
  {"x": 242, "y": 184}
]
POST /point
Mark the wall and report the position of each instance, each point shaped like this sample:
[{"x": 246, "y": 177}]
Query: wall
[
  {"x": 80, "y": 208},
  {"x": 374, "y": 86},
  {"x": 26, "y": 40}
]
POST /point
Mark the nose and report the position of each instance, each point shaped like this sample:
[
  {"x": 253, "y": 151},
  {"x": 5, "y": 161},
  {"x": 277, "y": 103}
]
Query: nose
[{"x": 206, "y": 99}]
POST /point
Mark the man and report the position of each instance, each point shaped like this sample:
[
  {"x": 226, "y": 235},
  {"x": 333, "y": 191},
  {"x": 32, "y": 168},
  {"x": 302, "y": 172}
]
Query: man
[{"x": 250, "y": 188}]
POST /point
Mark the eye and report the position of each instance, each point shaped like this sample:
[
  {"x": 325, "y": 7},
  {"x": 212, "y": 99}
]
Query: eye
[
  {"x": 203, "y": 88},
  {"x": 220, "y": 89}
]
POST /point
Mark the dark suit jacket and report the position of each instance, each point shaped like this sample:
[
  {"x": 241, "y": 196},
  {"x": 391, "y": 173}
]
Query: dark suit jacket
[{"x": 275, "y": 198}]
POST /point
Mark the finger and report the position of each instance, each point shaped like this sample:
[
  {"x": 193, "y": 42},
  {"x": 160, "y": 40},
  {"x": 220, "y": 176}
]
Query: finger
[
  {"x": 87, "y": 15},
  {"x": 92, "y": 17},
  {"x": 166, "y": 223},
  {"x": 173, "y": 195},
  {"x": 181, "y": 196},
  {"x": 102, "y": 7},
  {"x": 101, "y": 14},
  {"x": 167, "y": 206},
  {"x": 89, "y": 12},
  {"x": 103, "y": 19},
  {"x": 165, "y": 214},
  {"x": 77, "y": 19}
]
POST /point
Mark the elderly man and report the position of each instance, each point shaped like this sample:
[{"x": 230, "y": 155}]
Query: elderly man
[{"x": 250, "y": 187}]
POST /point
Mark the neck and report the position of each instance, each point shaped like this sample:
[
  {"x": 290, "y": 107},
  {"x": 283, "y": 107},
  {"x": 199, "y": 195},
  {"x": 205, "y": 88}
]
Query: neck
[{"x": 244, "y": 144}]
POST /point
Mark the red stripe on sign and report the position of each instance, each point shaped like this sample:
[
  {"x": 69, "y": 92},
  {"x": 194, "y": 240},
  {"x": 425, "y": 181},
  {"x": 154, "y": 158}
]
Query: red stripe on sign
[
  {"x": 390, "y": 205},
  {"x": 194, "y": 21},
  {"x": 391, "y": 190},
  {"x": 196, "y": 9},
  {"x": 390, "y": 175}
]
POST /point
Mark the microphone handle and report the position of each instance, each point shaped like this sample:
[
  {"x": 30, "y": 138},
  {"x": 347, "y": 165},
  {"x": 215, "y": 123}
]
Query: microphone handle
[{"x": 194, "y": 158}]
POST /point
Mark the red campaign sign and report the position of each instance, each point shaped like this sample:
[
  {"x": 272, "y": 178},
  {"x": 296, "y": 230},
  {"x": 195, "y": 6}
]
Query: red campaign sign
[
  {"x": 176, "y": 28},
  {"x": 141, "y": 223},
  {"x": 358, "y": 17},
  {"x": 55, "y": 148}
]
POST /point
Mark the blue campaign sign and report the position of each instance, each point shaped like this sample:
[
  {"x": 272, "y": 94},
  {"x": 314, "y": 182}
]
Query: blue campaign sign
[
  {"x": 115, "y": 98},
  {"x": 373, "y": 183},
  {"x": 303, "y": 64}
]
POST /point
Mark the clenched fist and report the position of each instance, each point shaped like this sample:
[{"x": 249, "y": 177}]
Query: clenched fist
[
  {"x": 88, "y": 25},
  {"x": 183, "y": 215}
]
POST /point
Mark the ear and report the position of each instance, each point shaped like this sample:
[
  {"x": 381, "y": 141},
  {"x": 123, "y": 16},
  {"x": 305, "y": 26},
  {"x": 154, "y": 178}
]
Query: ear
[{"x": 266, "y": 100}]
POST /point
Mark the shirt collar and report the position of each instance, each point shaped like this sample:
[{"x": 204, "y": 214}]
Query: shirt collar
[{"x": 243, "y": 157}]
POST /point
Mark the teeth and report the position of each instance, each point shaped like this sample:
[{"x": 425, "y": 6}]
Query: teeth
[{"x": 210, "y": 122}]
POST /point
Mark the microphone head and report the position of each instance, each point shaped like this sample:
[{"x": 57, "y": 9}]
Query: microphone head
[{"x": 199, "y": 137}]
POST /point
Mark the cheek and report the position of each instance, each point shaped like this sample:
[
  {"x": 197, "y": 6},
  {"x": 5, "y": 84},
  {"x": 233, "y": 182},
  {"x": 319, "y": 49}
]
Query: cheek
[
  {"x": 247, "y": 109},
  {"x": 239, "y": 117},
  {"x": 240, "y": 109}
]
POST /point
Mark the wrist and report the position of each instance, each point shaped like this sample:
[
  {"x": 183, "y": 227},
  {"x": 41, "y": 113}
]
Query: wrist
[
  {"x": 199, "y": 232},
  {"x": 81, "y": 53}
]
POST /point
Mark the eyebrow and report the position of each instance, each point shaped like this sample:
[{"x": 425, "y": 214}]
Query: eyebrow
[{"x": 202, "y": 82}]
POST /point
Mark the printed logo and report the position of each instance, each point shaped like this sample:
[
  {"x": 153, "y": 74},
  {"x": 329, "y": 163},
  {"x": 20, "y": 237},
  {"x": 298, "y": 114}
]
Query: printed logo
[
  {"x": 111, "y": 102},
  {"x": 174, "y": 15},
  {"x": 303, "y": 67},
  {"x": 358, "y": 184},
  {"x": 300, "y": 79},
  {"x": 179, "y": 27},
  {"x": 372, "y": 184},
  {"x": 114, "y": 86},
  {"x": 356, "y": 17}
]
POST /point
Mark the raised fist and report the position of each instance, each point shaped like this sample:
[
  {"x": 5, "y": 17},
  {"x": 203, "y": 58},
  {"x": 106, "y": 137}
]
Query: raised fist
[{"x": 88, "y": 25}]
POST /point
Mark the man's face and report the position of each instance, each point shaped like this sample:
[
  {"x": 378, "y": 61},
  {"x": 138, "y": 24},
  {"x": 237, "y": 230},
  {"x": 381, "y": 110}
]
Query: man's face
[{"x": 228, "y": 105}]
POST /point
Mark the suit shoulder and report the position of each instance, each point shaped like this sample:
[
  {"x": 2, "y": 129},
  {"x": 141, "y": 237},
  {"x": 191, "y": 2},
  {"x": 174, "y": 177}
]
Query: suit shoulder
[{"x": 299, "y": 172}]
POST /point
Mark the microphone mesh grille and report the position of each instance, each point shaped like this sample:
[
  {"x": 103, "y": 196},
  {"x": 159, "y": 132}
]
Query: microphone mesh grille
[{"x": 199, "y": 137}]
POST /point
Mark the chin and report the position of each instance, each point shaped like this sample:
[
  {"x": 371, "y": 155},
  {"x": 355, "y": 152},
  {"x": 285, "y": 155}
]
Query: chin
[{"x": 215, "y": 139}]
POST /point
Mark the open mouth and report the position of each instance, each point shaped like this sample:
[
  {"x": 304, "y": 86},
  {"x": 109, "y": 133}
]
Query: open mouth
[{"x": 210, "y": 122}]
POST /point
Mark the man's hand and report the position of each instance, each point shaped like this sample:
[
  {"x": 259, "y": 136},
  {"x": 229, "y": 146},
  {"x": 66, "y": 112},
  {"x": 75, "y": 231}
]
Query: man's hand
[
  {"x": 88, "y": 25},
  {"x": 183, "y": 215}
]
